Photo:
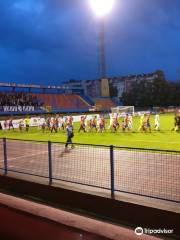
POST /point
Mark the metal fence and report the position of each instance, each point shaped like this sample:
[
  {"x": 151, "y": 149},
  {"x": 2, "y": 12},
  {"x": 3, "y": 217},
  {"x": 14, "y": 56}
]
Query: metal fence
[{"x": 143, "y": 172}]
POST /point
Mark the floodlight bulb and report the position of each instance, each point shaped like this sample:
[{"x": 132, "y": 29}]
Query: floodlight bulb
[{"x": 101, "y": 7}]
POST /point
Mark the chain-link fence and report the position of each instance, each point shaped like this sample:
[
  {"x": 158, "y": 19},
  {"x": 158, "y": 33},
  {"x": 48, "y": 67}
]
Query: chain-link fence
[
  {"x": 144, "y": 172},
  {"x": 27, "y": 157},
  {"x": 1, "y": 155},
  {"x": 148, "y": 173},
  {"x": 84, "y": 164}
]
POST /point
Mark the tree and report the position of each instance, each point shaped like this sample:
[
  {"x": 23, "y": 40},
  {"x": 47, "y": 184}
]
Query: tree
[
  {"x": 113, "y": 90},
  {"x": 158, "y": 92}
]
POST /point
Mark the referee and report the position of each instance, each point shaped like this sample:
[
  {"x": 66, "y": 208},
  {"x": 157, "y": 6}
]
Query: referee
[
  {"x": 27, "y": 123},
  {"x": 70, "y": 135}
]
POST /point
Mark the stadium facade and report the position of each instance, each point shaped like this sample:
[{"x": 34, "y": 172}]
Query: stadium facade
[{"x": 71, "y": 96}]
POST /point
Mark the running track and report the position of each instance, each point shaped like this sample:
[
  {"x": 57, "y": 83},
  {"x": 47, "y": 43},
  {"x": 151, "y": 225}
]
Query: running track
[{"x": 139, "y": 172}]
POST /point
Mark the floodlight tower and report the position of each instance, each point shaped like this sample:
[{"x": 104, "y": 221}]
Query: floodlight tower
[
  {"x": 102, "y": 50},
  {"x": 102, "y": 8}
]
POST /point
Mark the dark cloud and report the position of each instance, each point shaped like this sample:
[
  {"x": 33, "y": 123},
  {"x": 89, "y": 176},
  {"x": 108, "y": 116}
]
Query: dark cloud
[{"x": 54, "y": 40}]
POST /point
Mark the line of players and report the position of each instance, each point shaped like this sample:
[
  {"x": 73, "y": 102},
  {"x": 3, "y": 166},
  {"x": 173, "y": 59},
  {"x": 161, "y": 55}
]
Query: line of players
[
  {"x": 99, "y": 124},
  {"x": 53, "y": 124},
  {"x": 95, "y": 123},
  {"x": 23, "y": 123},
  {"x": 8, "y": 124}
]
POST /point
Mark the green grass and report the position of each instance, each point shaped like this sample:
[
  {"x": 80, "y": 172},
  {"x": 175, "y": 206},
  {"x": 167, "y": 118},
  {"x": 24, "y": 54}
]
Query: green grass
[{"x": 165, "y": 139}]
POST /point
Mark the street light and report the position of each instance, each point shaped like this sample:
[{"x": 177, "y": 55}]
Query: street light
[{"x": 101, "y": 8}]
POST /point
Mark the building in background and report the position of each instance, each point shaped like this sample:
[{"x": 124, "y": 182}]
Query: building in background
[
  {"x": 117, "y": 85},
  {"x": 150, "y": 77},
  {"x": 90, "y": 88}
]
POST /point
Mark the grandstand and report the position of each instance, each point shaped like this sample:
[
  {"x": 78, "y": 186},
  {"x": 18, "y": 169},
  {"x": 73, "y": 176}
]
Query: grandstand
[
  {"x": 18, "y": 99},
  {"x": 62, "y": 101},
  {"x": 47, "y": 99}
]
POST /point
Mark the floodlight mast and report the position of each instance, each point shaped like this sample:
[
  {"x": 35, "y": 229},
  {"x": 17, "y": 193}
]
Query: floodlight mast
[
  {"x": 102, "y": 50},
  {"x": 101, "y": 8}
]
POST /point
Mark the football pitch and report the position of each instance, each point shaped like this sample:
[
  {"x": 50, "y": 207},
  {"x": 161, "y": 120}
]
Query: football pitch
[{"x": 165, "y": 139}]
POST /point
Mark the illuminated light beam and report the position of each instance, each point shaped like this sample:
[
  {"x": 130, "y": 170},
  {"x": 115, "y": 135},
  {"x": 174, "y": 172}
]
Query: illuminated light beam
[{"x": 101, "y": 8}]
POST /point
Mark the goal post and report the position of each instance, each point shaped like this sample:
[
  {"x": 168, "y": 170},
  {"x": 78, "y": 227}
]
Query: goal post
[{"x": 122, "y": 110}]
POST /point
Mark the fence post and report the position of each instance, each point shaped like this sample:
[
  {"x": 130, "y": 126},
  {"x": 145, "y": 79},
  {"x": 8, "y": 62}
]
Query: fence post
[
  {"x": 49, "y": 162},
  {"x": 5, "y": 156},
  {"x": 112, "y": 170}
]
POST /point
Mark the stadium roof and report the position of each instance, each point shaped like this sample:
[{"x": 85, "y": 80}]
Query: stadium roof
[{"x": 32, "y": 86}]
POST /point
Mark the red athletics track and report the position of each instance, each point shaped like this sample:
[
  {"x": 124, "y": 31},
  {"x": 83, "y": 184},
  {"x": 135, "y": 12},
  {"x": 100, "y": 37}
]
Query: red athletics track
[{"x": 146, "y": 173}]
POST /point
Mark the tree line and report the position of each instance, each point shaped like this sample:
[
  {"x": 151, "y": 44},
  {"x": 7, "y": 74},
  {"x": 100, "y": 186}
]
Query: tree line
[{"x": 158, "y": 92}]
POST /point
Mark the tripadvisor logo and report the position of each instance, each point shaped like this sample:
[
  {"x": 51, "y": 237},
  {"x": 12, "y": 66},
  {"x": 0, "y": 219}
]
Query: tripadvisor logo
[{"x": 139, "y": 231}]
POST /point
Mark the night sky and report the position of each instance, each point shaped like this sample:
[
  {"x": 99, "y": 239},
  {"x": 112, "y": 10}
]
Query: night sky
[{"x": 50, "y": 41}]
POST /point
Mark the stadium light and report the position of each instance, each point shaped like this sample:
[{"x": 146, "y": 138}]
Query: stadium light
[{"x": 101, "y": 7}]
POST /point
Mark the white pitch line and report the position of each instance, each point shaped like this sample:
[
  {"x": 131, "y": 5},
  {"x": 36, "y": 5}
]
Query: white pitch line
[
  {"x": 24, "y": 156},
  {"x": 152, "y": 141},
  {"x": 136, "y": 140}
]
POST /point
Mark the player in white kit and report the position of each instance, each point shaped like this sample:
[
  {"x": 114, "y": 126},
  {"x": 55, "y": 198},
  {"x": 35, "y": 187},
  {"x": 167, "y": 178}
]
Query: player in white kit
[{"x": 157, "y": 122}]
